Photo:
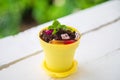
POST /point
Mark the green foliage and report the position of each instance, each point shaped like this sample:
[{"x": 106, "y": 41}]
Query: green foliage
[
  {"x": 83, "y": 4},
  {"x": 55, "y": 11},
  {"x": 56, "y": 26},
  {"x": 10, "y": 16},
  {"x": 11, "y": 11},
  {"x": 40, "y": 8}
]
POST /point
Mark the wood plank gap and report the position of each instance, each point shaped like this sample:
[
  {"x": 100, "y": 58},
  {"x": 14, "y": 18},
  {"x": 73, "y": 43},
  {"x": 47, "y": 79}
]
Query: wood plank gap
[
  {"x": 104, "y": 56},
  {"x": 100, "y": 27},
  {"x": 18, "y": 60}
]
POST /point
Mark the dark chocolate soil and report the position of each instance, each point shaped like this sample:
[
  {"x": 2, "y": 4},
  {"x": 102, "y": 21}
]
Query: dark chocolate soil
[{"x": 57, "y": 36}]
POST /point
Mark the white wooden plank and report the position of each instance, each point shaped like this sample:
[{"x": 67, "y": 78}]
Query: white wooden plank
[
  {"x": 25, "y": 43},
  {"x": 98, "y": 56},
  {"x": 104, "y": 68},
  {"x": 25, "y": 71},
  {"x": 20, "y": 45},
  {"x": 15, "y": 47},
  {"x": 94, "y": 16},
  {"x": 102, "y": 41}
]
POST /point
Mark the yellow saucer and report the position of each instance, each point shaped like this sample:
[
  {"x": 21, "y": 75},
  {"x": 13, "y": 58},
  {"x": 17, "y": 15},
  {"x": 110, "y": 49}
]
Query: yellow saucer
[{"x": 60, "y": 74}]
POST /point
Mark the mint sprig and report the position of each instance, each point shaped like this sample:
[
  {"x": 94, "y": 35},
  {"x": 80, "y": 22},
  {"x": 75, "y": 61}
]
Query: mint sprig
[{"x": 56, "y": 26}]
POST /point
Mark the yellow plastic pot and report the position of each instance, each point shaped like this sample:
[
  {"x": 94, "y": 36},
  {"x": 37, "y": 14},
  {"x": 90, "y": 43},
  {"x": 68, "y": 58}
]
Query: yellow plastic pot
[{"x": 59, "y": 58}]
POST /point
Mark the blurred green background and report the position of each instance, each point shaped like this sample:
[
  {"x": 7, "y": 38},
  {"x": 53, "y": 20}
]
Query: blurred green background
[{"x": 19, "y": 15}]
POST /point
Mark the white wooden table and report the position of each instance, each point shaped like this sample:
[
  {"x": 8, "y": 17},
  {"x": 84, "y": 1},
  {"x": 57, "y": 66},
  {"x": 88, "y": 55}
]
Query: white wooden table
[{"x": 98, "y": 53}]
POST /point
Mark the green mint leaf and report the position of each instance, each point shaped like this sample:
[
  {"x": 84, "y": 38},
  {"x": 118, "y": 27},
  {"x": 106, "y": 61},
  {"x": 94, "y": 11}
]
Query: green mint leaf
[
  {"x": 56, "y": 26},
  {"x": 55, "y": 23},
  {"x": 50, "y": 27},
  {"x": 64, "y": 27},
  {"x": 54, "y": 31}
]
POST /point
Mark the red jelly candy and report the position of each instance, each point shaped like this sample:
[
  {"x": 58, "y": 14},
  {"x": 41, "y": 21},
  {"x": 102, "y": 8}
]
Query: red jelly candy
[{"x": 69, "y": 41}]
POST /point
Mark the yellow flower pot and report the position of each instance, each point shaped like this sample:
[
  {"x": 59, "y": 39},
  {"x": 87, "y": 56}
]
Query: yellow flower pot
[{"x": 59, "y": 59}]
